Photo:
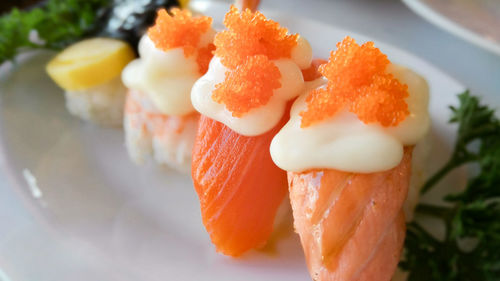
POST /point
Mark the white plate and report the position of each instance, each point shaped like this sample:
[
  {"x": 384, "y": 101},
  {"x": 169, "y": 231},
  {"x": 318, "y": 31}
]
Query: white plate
[
  {"x": 106, "y": 219},
  {"x": 477, "y": 21}
]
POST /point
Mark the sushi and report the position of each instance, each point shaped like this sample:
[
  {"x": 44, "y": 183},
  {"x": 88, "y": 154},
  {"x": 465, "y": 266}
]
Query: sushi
[
  {"x": 244, "y": 101},
  {"x": 160, "y": 120},
  {"x": 347, "y": 150},
  {"x": 89, "y": 72}
]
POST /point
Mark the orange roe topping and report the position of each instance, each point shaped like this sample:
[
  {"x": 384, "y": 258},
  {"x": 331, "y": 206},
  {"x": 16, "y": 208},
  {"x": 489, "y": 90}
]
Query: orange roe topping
[
  {"x": 250, "y": 34},
  {"x": 204, "y": 56},
  {"x": 181, "y": 29},
  {"x": 357, "y": 82},
  {"x": 312, "y": 72},
  {"x": 247, "y": 47},
  {"x": 250, "y": 85}
]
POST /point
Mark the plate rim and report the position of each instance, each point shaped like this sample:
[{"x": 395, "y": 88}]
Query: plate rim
[
  {"x": 445, "y": 23},
  {"x": 14, "y": 182}
]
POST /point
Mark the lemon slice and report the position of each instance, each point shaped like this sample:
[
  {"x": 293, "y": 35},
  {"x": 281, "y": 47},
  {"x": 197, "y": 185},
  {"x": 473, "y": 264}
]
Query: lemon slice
[{"x": 89, "y": 63}]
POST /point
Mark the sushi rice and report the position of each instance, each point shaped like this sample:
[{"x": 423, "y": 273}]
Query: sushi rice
[
  {"x": 102, "y": 104},
  {"x": 149, "y": 134}
]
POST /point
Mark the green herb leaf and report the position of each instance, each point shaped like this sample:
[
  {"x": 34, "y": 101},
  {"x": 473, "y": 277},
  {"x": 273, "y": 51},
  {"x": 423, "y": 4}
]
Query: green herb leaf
[
  {"x": 58, "y": 24},
  {"x": 470, "y": 249}
]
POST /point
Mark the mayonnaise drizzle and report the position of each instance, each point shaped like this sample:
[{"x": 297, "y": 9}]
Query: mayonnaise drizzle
[
  {"x": 345, "y": 143},
  {"x": 261, "y": 119},
  {"x": 165, "y": 76}
]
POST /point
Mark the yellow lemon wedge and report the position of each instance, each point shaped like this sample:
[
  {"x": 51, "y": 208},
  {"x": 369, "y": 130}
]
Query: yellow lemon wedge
[{"x": 89, "y": 63}]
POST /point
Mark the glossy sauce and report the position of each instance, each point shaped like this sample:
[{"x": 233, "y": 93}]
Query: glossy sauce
[
  {"x": 344, "y": 143},
  {"x": 166, "y": 76},
  {"x": 261, "y": 119}
]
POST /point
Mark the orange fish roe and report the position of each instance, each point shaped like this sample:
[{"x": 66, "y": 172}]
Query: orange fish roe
[
  {"x": 250, "y": 34},
  {"x": 247, "y": 47},
  {"x": 204, "y": 56},
  {"x": 181, "y": 29},
  {"x": 250, "y": 85},
  {"x": 357, "y": 82}
]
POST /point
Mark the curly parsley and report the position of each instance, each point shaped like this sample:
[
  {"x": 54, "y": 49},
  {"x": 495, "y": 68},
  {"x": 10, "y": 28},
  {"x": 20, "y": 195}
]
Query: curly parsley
[{"x": 471, "y": 217}]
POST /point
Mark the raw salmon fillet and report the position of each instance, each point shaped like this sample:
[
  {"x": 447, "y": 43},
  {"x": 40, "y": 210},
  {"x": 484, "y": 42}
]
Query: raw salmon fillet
[
  {"x": 239, "y": 186},
  {"x": 351, "y": 225}
]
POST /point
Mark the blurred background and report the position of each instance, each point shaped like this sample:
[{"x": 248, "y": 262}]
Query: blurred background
[{"x": 7, "y": 5}]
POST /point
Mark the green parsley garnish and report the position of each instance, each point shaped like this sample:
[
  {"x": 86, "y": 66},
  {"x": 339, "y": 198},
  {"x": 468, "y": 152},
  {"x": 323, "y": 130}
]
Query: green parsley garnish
[
  {"x": 58, "y": 24},
  {"x": 470, "y": 249}
]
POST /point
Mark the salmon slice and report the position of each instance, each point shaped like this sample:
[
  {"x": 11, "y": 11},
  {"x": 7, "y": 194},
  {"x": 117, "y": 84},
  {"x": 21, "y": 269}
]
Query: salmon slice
[
  {"x": 351, "y": 225},
  {"x": 385, "y": 260},
  {"x": 239, "y": 186}
]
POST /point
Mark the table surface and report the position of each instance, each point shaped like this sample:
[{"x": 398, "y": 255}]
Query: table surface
[{"x": 386, "y": 20}]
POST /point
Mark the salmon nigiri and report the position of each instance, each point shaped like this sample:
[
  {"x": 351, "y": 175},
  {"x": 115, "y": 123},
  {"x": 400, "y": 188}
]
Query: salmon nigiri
[
  {"x": 348, "y": 149},
  {"x": 255, "y": 72},
  {"x": 159, "y": 117}
]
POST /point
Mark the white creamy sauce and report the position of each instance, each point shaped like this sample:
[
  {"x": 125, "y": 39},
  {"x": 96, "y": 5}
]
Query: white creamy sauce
[
  {"x": 302, "y": 53},
  {"x": 165, "y": 76},
  {"x": 261, "y": 119},
  {"x": 343, "y": 142}
]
